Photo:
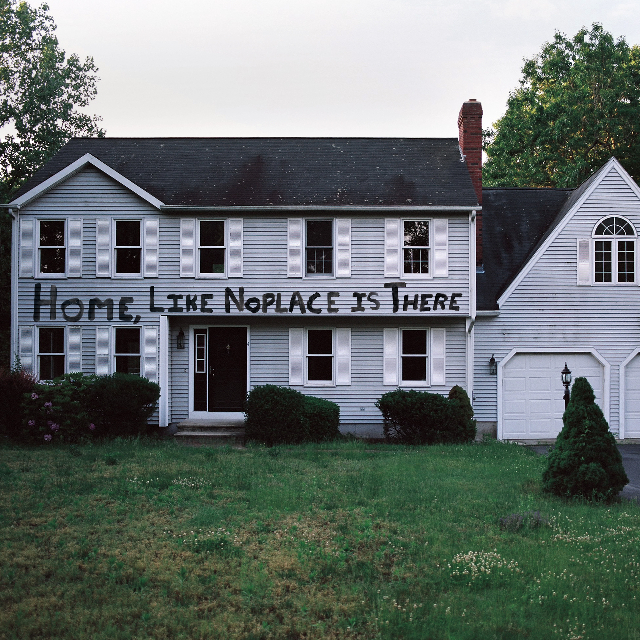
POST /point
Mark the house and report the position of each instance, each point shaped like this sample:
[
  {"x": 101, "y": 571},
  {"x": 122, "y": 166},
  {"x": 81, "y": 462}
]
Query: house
[{"x": 341, "y": 267}]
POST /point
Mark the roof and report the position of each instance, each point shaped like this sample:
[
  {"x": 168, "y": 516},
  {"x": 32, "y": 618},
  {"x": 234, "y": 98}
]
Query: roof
[{"x": 281, "y": 171}]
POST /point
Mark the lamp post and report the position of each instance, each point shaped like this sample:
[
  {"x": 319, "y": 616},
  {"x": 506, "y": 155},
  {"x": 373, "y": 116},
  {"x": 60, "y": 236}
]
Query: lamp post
[{"x": 566, "y": 381}]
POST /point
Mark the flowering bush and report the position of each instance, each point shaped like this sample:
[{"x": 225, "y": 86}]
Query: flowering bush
[{"x": 14, "y": 383}]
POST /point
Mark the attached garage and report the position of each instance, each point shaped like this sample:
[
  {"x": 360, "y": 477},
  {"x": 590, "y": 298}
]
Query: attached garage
[
  {"x": 530, "y": 391},
  {"x": 630, "y": 427}
]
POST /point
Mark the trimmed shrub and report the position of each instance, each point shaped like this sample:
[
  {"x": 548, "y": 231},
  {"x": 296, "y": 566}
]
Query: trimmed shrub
[
  {"x": 585, "y": 462},
  {"x": 280, "y": 415},
  {"x": 14, "y": 383},
  {"x": 419, "y": 417}
]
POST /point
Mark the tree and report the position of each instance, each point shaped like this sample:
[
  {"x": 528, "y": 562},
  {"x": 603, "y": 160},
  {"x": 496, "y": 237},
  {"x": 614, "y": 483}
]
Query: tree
[
  {"x": 41, "y": 92},
  {"x": 577, "y": 105}
]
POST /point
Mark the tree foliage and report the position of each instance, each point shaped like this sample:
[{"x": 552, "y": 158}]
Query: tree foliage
[
  {"x": 577, "y": 105},
  {"x": 41, "y": 93}
]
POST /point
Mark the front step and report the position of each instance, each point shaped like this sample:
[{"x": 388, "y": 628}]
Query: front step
[{"x": 217, "y": 432}]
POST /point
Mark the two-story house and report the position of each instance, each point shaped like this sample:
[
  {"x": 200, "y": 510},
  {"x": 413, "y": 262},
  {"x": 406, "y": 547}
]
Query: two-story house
[{"x": 341, "y": 267}]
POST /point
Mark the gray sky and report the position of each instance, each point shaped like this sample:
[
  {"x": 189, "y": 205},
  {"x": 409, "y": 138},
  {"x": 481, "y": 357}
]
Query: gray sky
[{"x": 314, "y": 67}]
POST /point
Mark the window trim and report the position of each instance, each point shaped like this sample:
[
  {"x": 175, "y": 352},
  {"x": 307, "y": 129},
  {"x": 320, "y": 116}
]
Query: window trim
[
  {"x": 113, "y": 350},
  {"x": 319, "y": 383},
  {"x": 40, "y": 353},
  {"x": 430, "y": 248},
  {"x": 198, "y": 246},
  {"x": 415, "y": 383},
  {"x": 614, "y": 240},
  {"x": 115, "y": 247},
  {"x": 334, "y": 242},
  {"x": 41, "y": 274}
]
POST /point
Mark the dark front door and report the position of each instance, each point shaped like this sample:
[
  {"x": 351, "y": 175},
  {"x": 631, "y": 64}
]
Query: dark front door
[{"x": 220, "y": 371}]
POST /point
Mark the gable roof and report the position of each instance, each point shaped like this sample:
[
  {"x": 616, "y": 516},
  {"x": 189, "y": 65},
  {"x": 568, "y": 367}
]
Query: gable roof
[{"x": 227, "y": 172}]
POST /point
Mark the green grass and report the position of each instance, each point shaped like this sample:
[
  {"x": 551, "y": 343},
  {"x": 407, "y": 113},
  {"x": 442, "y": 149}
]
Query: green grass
[{"x": 153, "y": 540}]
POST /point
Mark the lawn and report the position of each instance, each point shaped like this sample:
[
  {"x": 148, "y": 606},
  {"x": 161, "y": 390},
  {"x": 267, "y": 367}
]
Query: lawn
[{"x": 153, "y": 540}]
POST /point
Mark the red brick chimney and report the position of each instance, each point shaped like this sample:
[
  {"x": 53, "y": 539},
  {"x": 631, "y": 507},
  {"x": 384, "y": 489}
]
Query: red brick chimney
[{"x": 470, "y": 138}]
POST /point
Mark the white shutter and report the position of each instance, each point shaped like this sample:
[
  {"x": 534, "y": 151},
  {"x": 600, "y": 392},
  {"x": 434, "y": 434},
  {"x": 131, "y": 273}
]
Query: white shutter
[
  {"x": 26, "y": 347},
  {"x": 296, "y": 356},
  {"x": 103, "y": 248},
  {"x": 27, "y": 247},
  {"x": 187, "y": 248},
  {"x": 151, "y": 244},
  {"x": 74, "y": 349},
  {"x": 392, "y": 248},
  {"x": 584, "y": 261},
  {"x": 294, "y": 243},
  {"x": 343, "y": 356},
  {"x": 390, "y": 359},
  {"x": 102, "y": 351},
  {"x": 440, "y": 248},
  {"x": 343, "y": 252},
  {"x": 438, "y": 348},
  {"x": 235, "y": 248},
  {"x": 150, "y": 353},
  {"x": 75, "y": 248}
]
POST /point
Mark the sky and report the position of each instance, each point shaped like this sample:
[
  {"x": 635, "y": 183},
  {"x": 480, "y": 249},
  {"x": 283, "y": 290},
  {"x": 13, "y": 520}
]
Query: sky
[{"x": 314, "y": 67}]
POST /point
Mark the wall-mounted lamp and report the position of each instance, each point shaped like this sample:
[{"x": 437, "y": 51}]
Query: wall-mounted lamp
[
  {"x": 180, "y": 339},
  {"x": 566, "y": 381},
  {"x": 493, "y": 366}
]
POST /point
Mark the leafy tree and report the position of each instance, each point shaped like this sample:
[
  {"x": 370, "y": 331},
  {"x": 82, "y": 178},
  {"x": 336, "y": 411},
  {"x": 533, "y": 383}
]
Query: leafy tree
[{"x": 577, "y": 105}]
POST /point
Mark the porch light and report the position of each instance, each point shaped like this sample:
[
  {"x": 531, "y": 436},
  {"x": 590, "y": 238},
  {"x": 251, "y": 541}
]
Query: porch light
[
  {"x": 180, "y": 339},
  {"x": 493, "y": 366},
  {"x": 566, "y": 381}
]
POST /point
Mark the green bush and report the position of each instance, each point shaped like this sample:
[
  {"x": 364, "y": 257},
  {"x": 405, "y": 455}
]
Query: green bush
[
  {"x": 585, "y": 462},
  {"x": 418, "y": 417},
  {"x": 14, "y": 383},
  {"x": 280, "y": 415}
]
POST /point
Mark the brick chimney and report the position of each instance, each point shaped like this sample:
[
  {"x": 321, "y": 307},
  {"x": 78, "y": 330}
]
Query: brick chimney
[{"x": 470, "y": 138}]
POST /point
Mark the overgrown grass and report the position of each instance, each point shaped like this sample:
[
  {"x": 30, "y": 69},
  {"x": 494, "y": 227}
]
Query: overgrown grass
[{"x": 153, "y": 540}]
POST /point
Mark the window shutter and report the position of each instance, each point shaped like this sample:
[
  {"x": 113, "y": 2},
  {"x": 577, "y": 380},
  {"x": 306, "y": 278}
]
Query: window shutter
[
  {"x": 187, "y": 248},
  {"x": 102, "y": 351},
  {"x": 26, "y": 347},
  {"x": 584, "y": 261},
  {"x": 390, "y": 361},
  {"x": 296, "y": 356},
  {"x": 438, "y": 348},
  {"x": 392, "y": 248},
  {"x": 151, "y": 245},
  {"x": 343, "y": 356},
  {"x": 150, "y": 353},
  {"x": 103, "y": 248},
  {"x": 294, "y": 255},
  {"x": 75, "y": 248},
  {"x": 27, "y": 247},
  {"x": 235, "y": 248},
  {"x": 343, "y": 253},
  {"x": 440, "y": 248},
  {"x": 74, "y": 349}
]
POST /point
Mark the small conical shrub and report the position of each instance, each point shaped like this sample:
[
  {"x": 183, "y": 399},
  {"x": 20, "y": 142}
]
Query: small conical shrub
[{"x": 585, "y": 461}]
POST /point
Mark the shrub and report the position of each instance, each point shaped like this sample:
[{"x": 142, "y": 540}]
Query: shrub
[
  {"x": 464, "y": 425},
  {"x": 14, "y": 383},
  {"x": 585, "y": 461},
  {"x": 280, "y": 415}
]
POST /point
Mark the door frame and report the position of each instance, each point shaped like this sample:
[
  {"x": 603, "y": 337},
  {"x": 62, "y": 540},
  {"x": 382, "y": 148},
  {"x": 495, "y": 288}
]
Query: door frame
[{"x": 214, "y": 415}]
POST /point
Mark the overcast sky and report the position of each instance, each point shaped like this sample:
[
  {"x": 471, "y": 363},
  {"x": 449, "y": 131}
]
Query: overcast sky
[{"x": 314, "y": 67}]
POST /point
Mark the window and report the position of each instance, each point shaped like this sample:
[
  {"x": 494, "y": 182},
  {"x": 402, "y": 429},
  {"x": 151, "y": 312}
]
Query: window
[
  {"x": 614, "y": 251},
  {"x": 127, "y": 352},
  {"x": 211, "y": 247},
  {"x": 414, "y": 356},
  {"x": 128, "y": 248},
  {"x": 50, "y": 352},
  {"x": 416, "y": 246},
  {"x": 51, "y": 247},
  {"x": 320, "y": 356},
  {"x": 319, "y": 247}
]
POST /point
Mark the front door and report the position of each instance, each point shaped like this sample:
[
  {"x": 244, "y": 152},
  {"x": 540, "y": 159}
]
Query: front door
[{"x": 220, "y": 369}]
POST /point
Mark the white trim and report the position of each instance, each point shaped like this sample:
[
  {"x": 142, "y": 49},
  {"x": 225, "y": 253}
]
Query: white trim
[
  {"x": 163, "y": 372},
  {"x": 15, "y": 243},
  {"x": 114, "y": 246},
  {"x": 377, "y": 209},
  {"x": 472, "y": 266},
  {"x": 623, "y": 390},
  {"x": 606, "y": 381},
  {"x": 74, "y": 168},
  {"x": 334, "y": 357}
]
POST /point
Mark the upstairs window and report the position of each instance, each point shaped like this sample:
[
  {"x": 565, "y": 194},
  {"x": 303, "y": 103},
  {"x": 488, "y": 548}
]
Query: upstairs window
[
  {"x": 319, "y": 247},
  {"x": 128, "y": 247},
  {"x": 211, "y": 247},
  {"x": 614, "y": 241},
  {"x": 416, "y": 246},
  {"x": 127, "y": 352},
  {"x": 52, "y": 247},
  {"x": 50, "y": 352}
]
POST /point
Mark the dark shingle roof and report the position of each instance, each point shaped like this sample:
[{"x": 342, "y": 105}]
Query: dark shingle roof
[{"x": 281, "y": 171}]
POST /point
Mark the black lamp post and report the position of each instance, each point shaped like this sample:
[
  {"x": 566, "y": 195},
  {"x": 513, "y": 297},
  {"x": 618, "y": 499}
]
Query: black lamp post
[
  {"x": 566, "y": 381},
  {"x": 493, "y": 366}
]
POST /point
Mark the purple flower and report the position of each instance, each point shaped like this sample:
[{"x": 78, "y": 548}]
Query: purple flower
[
  {"x": 34, "y": 396},
  {"x": 92, "y": 426},
  {"x": 54, "y": 426},
  {"x": 32, "y": 423},
  {"x": 47, "y": 437},
  {"x": 48, "y": 405}
]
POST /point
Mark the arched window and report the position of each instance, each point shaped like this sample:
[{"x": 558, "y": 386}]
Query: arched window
[{"x": 614, "y": 243}]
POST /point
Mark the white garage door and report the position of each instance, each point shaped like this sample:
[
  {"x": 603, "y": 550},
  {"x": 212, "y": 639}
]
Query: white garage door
[
  {"x": 532, "y": 392},
  {"x": 632, "y": 399}
]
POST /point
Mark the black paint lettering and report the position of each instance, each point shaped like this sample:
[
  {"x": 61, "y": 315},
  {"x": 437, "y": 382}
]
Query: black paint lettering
[
  {"x": 452, "y": 303},
  {"x": 122, "y": 309},
  {"x": 203, "y": 303},
  {"x": 76, "y": 316},
  {"x": 175, "y": 297},
  {"x": 137, "y": 319},
  {"x": 425, "y": 302},
  {"x": 394, "y": 295},
  {"x": 296, "y": 299},
  {"x": 359, "y": 297},
  {"x": 267, "y": 300},
  {"x": 40, "y": 302},
  {"x": 96, "y": 302},
  {"x": 152, "y": 303},
  {"x": 253, "y": 305},
  {"x": 373, "y": 299},
  {"x": 191, "y": 303},
  {"x": 440, "y": 299},
  {"x": 312, "y": 298},
  {"x": 407, "y": 302},
  {"x": 279, "y": 307},
  {"x": 331, "y": 308},
  {"x": 239, "y": 301}
]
